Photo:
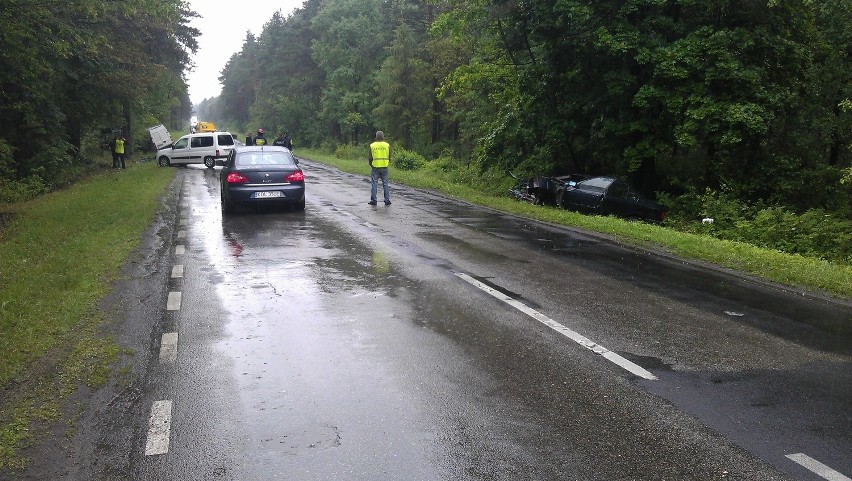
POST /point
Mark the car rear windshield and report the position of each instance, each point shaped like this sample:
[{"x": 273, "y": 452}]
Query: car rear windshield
[
  {"x": 597, "y": 185},
  {"x": 226, "y": 139},
  {"x": 248, "y": 159}
]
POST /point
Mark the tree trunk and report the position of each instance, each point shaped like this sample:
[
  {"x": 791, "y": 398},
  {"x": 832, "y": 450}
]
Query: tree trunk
[{"x": 126, "y": 129}]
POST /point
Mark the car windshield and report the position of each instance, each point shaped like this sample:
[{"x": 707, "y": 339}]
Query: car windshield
[{"x": 246, "y": 159}]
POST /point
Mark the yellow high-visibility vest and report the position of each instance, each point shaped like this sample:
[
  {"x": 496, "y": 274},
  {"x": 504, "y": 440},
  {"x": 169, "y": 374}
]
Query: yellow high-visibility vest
[
  {"x": 381, "y": 154},
  {"x": 119, "y": 146}
]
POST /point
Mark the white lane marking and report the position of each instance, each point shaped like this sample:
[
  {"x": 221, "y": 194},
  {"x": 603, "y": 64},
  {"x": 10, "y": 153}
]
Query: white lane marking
[
  {"x": 159, "y": 428},
  {"x": 570, "y": 334},
  {"x": 168, "y": 347},
  {"x": 177, "y": 271},
  {"x": 817, "y": 467},
  {"x": 181, "y": 234},
  {"x": 179, "y": 249},
  {"x": 173, "y": 303}
]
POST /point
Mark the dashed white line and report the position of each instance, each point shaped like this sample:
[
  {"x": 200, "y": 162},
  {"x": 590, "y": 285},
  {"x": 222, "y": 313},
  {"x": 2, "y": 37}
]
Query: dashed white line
[
  {"x": 177, "y": 271},
  {"x": 180, "y": 249},
  {"x": 181, "y": 234},
  {"x": 817, "y": 467},
  {"x": 173, "y": 304},
  {"x": 159, "y": 428},
  {"x": 570, "y": 334},
  {"x": 168, "y": 347}
]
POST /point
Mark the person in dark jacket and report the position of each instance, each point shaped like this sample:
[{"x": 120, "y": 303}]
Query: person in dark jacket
[
  {"x": 279, "y": 141},
  {"x": 259, "y": 139},
  {"x": 283, "y": 140}
]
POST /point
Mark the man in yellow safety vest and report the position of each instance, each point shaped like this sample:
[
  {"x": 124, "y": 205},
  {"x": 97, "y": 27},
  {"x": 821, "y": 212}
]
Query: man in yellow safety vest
[
  {"x": 117, "y": 145},
  {"x": 379, "y": 158}
]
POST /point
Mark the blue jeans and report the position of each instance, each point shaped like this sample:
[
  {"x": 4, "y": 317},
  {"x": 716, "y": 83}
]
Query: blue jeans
[{"x": 375, "y": 174}]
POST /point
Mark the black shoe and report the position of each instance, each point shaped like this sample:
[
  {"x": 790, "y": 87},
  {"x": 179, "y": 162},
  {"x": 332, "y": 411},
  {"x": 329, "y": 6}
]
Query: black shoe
[
  {"x": 387, "y": 202},
  {"x": 372, "y": 202}
]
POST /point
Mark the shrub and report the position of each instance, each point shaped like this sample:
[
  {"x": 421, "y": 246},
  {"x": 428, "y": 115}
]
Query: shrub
[
  {"x": 347, "y": 151},
  {"x": 407, "y": 159},
  {"x": 814, "y": 233},
  {"x": 26, "y": 189}
]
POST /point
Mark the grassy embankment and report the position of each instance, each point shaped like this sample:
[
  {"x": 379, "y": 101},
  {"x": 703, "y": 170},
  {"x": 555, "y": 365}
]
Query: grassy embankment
[
  {"x": 58, "y": 256},
  {"x": 799, "y": 272}
]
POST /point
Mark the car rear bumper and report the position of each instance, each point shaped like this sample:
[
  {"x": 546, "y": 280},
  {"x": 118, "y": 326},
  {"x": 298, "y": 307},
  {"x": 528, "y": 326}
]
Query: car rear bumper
[{"x": 289, "y": 193}]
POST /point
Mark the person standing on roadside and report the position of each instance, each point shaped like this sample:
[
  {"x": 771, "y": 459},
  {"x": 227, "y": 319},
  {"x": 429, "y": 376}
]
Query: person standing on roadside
[
  {"x": 288, "y": 140},
  {"x": 249, "y": 140},
  {"x": 259, "y": 139},
  {"x": 279, "y": 141},
  {"x": 379, "y": 158},
  {"x": 117, "y": 147}
]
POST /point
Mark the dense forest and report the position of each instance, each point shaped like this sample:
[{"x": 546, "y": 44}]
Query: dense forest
[
  {"x": 739, "y": 109},
  {"x": 72, "y": 71}
]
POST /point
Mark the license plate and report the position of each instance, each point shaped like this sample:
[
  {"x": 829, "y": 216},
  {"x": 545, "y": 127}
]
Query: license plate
[{"x": 268, "y": 195}]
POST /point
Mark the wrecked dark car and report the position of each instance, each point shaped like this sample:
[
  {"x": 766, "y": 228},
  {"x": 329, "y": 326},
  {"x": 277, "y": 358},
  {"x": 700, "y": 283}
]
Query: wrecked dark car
[
  {"x": 543, "y": 190},
  {"x": 610, "y": 196}
]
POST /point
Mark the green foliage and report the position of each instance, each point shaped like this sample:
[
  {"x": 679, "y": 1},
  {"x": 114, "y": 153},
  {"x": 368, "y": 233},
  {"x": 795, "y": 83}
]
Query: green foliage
[
  {"x": 71, "y": 69},
  {"x": 349, "y": 151},
  {"x": 404, "y": 91},
  {"x": 407, "y": 159},
  {"x": 814, "y": 233},
  {"x": 21, "y": 190}
]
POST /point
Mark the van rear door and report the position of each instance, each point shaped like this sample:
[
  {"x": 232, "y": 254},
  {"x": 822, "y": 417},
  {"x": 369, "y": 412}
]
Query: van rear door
[{"x": 160, "y": 137}]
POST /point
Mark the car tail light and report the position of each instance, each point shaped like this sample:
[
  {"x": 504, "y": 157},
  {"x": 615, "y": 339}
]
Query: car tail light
[
  {"x": 236, "y": 178},
  {"x": 297, "y": 176}
]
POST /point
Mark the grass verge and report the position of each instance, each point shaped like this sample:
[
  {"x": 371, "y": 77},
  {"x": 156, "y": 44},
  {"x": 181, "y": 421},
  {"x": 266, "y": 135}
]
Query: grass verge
[
  {"x": 793, "y": 270},
  {"x": 58, "y": 255}
]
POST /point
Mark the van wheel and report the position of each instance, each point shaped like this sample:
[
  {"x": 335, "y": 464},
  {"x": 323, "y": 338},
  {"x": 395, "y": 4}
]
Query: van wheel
[
  {"x": 209, "y": 162},
  {"x": 163, "y": 161}
]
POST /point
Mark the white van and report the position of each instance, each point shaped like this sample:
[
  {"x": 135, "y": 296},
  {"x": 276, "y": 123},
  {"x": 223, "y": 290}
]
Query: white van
[{"x": 201, "y": 148}]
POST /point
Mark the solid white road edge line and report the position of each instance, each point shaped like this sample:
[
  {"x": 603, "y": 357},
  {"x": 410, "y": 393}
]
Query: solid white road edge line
[
  {"x": 168, "y": 347},
  {"x": 159, "y": 428},
  {"x": 817, "y": 467},
  {"x": 173, "y": 304},
  {"x": 573, "y": 335},
  {"x": 177, "y": 271}
]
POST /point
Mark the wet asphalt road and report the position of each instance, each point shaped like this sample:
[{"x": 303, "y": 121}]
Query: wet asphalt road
[{"x": 344, "y": 343}]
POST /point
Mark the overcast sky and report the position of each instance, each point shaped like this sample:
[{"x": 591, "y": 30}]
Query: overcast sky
[{"x": 223, "y": 29}]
